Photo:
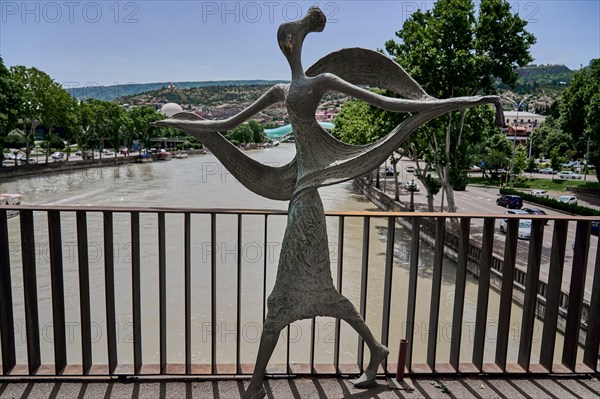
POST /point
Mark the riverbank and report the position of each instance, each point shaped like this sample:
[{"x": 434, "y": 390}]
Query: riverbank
[{"x": 9, "y": 172}]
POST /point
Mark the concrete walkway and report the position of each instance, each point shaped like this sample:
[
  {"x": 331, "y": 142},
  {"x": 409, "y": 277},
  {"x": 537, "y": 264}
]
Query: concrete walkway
[{"x": 467, "y": 387}]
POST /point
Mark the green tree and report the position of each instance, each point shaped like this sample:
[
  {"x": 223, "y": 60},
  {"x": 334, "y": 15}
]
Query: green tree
[
  {"x": 10, "y": 104},
  {"x": 258, "y": 135},
  {"x": 452, "y": 52},
  {"x": 141, "y": 117},
  {"x": 579, "y": 108}
]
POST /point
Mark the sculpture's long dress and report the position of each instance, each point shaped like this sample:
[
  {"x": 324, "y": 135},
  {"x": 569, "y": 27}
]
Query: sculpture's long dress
[{"x": 304, "y": 286}]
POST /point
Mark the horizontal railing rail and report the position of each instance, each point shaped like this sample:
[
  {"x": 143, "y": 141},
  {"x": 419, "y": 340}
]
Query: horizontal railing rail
[{"x": 444, "y": 312}]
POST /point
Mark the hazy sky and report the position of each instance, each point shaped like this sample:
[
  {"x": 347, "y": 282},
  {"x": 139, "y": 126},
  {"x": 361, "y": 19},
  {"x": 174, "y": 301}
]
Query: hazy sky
[{"x": 109, "y": 42}]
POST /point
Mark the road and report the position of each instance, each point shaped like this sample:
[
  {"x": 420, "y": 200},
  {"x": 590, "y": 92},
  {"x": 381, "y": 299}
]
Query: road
[{"x": 482, "y": 200}]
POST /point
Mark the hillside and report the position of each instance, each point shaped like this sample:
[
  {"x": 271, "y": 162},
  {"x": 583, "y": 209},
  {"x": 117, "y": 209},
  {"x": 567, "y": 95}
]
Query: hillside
[{"x": 109, "y": 93}]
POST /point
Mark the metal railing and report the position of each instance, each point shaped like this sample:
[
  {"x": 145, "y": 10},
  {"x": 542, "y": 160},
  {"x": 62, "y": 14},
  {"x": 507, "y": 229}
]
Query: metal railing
[{"x": 559, "y": 311}]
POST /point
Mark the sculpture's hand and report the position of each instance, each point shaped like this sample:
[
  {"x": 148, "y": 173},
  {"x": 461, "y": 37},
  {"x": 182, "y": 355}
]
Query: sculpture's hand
[
  {"x": 200, "y": 126},
  {"x": 371, "y": 156}
]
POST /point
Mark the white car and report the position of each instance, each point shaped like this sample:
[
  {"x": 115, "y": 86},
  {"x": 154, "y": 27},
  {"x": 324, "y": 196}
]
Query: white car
[
  {"x": 567, "y": 199},
  {"x": 58, "y": 156},
  {"x": 569, "y": 175},
  {"x": 524, "y": 232},
  {"x": 539, "y": 193}
]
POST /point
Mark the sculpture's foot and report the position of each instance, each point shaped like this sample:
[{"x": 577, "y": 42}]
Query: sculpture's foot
[
  {"x": 366, "y": 380},
  {"x": 255, "y": 392}
]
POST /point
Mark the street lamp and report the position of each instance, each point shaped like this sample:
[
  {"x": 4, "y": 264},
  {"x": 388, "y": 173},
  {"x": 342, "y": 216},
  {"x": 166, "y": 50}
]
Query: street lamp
[{"x": 518, "y": 106}]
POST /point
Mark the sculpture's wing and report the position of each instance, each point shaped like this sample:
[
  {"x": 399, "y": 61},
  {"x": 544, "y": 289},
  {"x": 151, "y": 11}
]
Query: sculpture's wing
[
  {"x": 268, "y": 181},
  {"x": 367, "y": 67}
]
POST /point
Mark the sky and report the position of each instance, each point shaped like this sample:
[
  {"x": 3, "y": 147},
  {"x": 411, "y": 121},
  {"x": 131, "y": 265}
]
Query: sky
[{"x": 81, "y": 43}]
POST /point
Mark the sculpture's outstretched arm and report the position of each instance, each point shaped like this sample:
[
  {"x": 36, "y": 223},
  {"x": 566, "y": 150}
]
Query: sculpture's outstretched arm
[
  {"x": 272, "y": 182},
  {"x": 274, "y": 95},
  {"x": 332, "y": 82},
  {"x": 373, "y": 155}
]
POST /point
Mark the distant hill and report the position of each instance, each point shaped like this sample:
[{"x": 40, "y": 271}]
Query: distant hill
[
  {"x": 109, "y": 93},
  {"x": 533, "y": 78}
]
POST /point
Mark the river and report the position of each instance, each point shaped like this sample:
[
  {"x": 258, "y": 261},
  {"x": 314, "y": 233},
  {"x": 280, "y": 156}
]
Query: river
[{"x": 201, "y": 182}]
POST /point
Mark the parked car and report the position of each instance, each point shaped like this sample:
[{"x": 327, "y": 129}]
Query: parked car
[
  {"x": 567, "y": 199},
  {"x": 389, "y": 171},
  {"x": 548, "y": 171},
  {"x": 569, "y": 175},
  {"x": 524, "y": 232},
  {"x": 78, "y": 153},
  {"x": 595, "y": 228},
  {"x": 539, "y": 193},
  {"x": 536, "y": 211},
  {"x": 510, "y": 201},
  {"x": 58, "y": 156}
]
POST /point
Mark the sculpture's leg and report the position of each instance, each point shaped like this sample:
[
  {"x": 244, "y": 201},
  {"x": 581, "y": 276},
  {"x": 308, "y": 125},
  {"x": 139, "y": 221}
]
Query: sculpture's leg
[
  {"x": 268, "y": 341},
  {"x": 346, "y": 311}
]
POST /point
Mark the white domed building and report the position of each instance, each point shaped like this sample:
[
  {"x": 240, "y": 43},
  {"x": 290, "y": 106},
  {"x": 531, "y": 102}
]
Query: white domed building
[{"x": 170, "y": 109}]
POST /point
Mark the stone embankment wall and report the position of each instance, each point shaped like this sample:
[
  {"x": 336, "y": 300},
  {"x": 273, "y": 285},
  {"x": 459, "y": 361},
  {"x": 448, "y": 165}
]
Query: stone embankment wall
[
  {"x": 386, "y": 203},
  {"x": 74, "y": 163}
]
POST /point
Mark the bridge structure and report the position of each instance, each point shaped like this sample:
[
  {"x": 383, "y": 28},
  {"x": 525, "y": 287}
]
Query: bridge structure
[{"x": 569, "y": 347}]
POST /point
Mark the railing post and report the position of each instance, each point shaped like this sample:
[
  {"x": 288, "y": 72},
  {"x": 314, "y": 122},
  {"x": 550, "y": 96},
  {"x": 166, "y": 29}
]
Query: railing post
[
  {"x": 576, "y": 291},
  {"x": 84, "y": 291},
  {"x": 136, "y": 292},
  {"x": 459, "y": 292},
  {"x": 592, "y": 334},
  {"x": 412, "y": 288},
  {"x": 506, "y": 293},
  {"x": 109, "y": 281},
  {"x": 340, "y": 269},
  {"x": 162, "y": 292},
  {"x": 187, "y": 291},
  {"x": 531, "y": 284},
  {"x": 553, "y": 292},
  {"x": 483, "y": 291},
  {"x": 436, "y": 286},
  {"x": 363, "y": 287},
  {"x": 387, "y": 284},
  {"x": 58, "y": 291},
  {"x": 30, "y": 291},
  {"x": 7, "y": 327}
]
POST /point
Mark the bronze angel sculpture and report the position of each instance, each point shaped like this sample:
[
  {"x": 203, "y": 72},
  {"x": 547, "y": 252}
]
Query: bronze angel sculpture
[{"x": 304, "y": 285}]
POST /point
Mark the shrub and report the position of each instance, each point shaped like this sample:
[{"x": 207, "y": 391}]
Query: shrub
[{"x": 552, "y": 203}]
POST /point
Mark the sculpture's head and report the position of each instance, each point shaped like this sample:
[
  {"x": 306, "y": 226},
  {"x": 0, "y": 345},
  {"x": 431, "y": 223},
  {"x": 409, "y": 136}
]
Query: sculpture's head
[{"x": 290, "y": 35}]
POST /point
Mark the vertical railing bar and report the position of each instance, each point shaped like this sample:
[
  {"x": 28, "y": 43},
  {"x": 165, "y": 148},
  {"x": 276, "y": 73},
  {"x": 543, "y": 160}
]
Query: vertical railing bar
[
  {"x": 162, "y": 289},
  {"x": 7, "y": 327},
  {"x": 592, "y": 336},
  {"x": 530, "y": 301},
  {"x": 109, "y": 282},
  {"x": 363, "y": 287},
  {"x": 288, "y": 368},
  {"x": 553, "y": 292},
  {"x": 459, "y": 292},
  {"x": 30, "y": 291},
  {"x": 264, "y": 305},
  {"x": 412, "y": 288},
  {"x": 136, "y": 292},
  {"x": 576, "y": 293},
  {"x": 340, "y": 255},
  {"x": 187, "y": 266},
  {"x": 213, "y": 292},
  {"x": 238, "y": 367},
  {"x": 387, "y": 284},
  {"x": 58, "y": 291},
  {"x": 506, "y": 292},
  {"x": 483, "y": 292},
  {"x": 436, "y": 286},
  {"x": 312, "y": 345},
  {"x": 84, "y": 291}
]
